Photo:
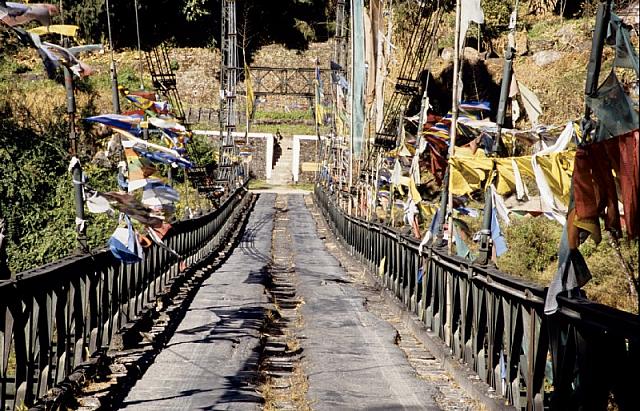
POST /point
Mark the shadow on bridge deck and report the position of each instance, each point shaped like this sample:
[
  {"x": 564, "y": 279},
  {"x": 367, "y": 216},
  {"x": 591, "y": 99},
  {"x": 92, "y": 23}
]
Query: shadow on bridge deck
[{"x": 211, "y": 362}]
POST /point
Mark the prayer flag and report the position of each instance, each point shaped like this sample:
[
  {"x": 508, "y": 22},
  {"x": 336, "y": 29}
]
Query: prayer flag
[
  {"x": 250, "y": 95},
  {"x": 499, "y": 242}
]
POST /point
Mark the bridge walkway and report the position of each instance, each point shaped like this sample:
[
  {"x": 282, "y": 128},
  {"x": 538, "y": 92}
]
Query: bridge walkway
[
  {"x": 213, "y": 354},
  {"x": 350, "y": 356}
]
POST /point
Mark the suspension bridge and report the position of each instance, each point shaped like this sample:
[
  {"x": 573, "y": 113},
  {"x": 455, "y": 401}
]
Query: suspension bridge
[{"x": 281, "y": 299}]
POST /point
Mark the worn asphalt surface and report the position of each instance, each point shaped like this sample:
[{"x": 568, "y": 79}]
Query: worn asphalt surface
[
  {"x": 350, "y": 356},
  {"x": 352, "y": 360},
  {"x": 212, "y": 356}
]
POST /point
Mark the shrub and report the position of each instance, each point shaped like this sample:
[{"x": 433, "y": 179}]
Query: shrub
[{"x": 533, "y": 246}]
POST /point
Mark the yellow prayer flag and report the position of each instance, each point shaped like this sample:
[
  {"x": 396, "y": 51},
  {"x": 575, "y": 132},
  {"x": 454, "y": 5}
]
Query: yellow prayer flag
[
  {"x": 63, "y": 29},
  {"x": 250, "y": 95},
  {"x": 413, "y": 191},
  {"x": 318, "y": 103}
]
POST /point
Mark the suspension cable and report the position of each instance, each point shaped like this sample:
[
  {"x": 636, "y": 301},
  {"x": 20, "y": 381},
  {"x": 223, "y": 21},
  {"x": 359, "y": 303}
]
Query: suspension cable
[
  {"x": 109, "y": 30},
  {"x": 135, "y": 3}
]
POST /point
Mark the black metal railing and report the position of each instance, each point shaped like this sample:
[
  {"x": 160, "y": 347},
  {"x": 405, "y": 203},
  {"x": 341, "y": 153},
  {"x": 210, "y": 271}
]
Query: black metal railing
[
  {"x": 583, "y": 357},
  {"x": 54, "y": 318}
]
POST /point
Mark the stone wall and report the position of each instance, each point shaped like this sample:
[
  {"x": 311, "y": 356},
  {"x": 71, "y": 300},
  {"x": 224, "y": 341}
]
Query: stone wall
[
  {"x": 196, "y": 75},
  {"x": 198, "y": 82},
  {"x": 257, "y": 169},
  {"x": 308, "y": 161}
]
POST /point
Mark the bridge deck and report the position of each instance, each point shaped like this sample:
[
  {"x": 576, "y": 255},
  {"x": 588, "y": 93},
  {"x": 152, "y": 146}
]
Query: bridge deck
[
  {"x": 351, "y": 358},
  {"x": 207, "y": 363}
]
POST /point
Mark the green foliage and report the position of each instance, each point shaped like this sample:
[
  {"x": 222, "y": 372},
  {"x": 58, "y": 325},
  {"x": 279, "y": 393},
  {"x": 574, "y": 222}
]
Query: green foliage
[
  {"x": 609, "y": 284},
  {"x": 203, "y": 150},
  {"x": 36, "y": 197},
  {"x": 259, "y": 185},
  {"x": 195, "y": 9},
  {"x": 496, "y": 17},
  {"x": 533, "y": 246},
  {"x": 292, "y": 115},
  {"x": 196, "y": 23},
  {"x": 32, "y": 196},
  {"x": 285, "y": 129}
]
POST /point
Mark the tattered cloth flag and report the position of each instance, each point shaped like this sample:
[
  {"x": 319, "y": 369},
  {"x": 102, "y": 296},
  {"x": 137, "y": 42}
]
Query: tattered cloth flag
[
  {"x": 145, "y": 100},
  {"x": 470, "y": 11},
  {"x": 167, "y": 125},
  {"x": 319, "y": 95},
  {"x": 396, "y": 177},
  {"x": 174, "y": 133},
  {"x": 531, "y": 103},
  {"x": 130, "y": 124},
  {"x": 62, "y": 29},
  {"x": 128, "y": 204},
  {"x": 145, "y": 143},
  {"x": 54, "y": 56},
  {"x": 158, "y": 194},
  {"x": 432, "y": 230},
  {"x": 141, "y": 171},
  {"x": 124, "y": 244},
  {"x": 163, "y": 158},
  {"x": 499, "y": 243},
  {"x": 462, "y": 250},
  {"x": 16, "y": 14},
  {"x": 572, "y": 273},
  {"x": 97, "y": 204},
  {"x": 157, "y": 235},
  {"x": 69, "y": 57}
]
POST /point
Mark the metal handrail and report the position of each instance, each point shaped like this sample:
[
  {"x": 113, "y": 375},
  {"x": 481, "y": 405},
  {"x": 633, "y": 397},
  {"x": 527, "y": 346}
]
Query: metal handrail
[
  {"x": 54, "y": 318},
  {"x": 495, "y": 323}
]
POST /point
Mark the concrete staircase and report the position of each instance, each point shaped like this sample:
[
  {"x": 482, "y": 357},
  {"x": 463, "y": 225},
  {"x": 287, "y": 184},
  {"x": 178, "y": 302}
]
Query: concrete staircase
[{"x": 281, "y": 174}]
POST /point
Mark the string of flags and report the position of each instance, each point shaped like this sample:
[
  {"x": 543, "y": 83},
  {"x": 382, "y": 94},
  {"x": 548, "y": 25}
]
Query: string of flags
[
  {"x": 147, "y": 199},
  {"x": 147, "y": 202}
]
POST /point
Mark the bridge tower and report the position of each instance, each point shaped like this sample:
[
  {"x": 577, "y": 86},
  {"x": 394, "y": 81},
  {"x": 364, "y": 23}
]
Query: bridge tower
[
  {"x": 341, "y": 34},
  {"x": 227, "y": 172},
  {"x": 337, "y": 147},
  {"x": 163, "y": 78}
]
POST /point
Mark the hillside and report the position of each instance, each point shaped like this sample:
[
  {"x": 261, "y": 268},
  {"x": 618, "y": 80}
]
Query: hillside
[{"x": 36, "y": 198}]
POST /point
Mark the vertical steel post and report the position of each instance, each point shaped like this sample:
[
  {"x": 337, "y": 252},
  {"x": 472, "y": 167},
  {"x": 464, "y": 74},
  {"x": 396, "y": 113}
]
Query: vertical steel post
[
  {"x": 227, "y": 172},
  {"x": 135, "y": 5},
  {"x": 507, "y": 73},
  {"x": 454, "y": 112},
  {"x": 485, "y": 232},
  {"x": 76, "y": 170},
  {"x": 438, "y": 240},
  {"x": 115, "y": 96},
  {"x": 507, "y": 76},
  {"x": 452, "y": 149}
]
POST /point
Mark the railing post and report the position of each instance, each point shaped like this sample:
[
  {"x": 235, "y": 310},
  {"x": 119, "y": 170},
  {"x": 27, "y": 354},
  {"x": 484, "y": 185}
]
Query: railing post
[
  {"x": 485, "y": 233},
  {"x": 76, "y": 168}
]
